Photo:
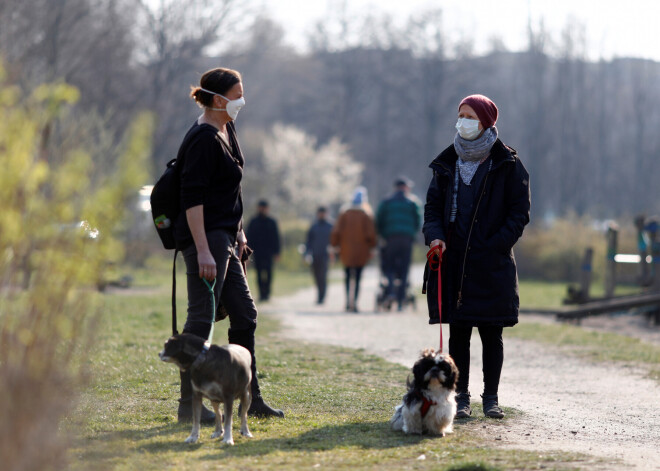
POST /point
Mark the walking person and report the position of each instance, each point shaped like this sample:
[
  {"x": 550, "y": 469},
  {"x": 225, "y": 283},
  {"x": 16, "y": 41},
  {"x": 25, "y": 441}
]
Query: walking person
[
  {"x": 354, "y": 236},
  {"x": 317, "y": 249},
  {"x": 398, "y": 221},
  {"x": 477, "y": 205},
  {"x": 209, "y": 230},
  {"x": 264, "y": 237}
]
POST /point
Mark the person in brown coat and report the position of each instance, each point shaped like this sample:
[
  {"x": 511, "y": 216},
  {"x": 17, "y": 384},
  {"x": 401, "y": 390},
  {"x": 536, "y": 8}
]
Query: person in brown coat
[{"x": 354, "y": 235}]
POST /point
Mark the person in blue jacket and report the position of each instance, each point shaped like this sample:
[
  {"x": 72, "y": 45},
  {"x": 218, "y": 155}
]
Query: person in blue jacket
[
  {"x": 477, "y": 205},
  {"x": 317, "y": 250}
]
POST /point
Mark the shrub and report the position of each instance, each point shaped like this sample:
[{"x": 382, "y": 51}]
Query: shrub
[
  {"x": 554, "y": 252},
  {"x": 59, "y": 229}
]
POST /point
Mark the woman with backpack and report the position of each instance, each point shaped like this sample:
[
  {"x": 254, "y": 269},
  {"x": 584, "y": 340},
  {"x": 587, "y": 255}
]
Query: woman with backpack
[{"x": 209, "y": 228}]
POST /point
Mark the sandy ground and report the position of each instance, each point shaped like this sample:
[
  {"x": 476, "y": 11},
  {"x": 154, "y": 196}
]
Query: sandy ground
[{"x": 607, "y": 411}]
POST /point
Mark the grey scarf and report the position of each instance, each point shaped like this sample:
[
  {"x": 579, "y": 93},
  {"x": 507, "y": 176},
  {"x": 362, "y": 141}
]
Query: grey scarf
[{"x": 472, "y": 153}]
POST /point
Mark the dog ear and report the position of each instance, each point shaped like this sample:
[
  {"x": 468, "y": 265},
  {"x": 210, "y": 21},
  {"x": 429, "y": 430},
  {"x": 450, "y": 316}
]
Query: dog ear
[{"x": 418, "y": 371}]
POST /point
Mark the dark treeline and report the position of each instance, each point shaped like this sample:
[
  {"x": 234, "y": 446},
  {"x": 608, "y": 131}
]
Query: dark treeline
[{"x": 587, "y": 131}]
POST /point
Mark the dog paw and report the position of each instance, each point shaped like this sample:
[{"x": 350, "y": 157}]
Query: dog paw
[
  {"x": 228, "y": 441},
  {"x": 192, "y": 439},
  {"x": 247, "y": 434},
  {"x": 218, "y": 434}
]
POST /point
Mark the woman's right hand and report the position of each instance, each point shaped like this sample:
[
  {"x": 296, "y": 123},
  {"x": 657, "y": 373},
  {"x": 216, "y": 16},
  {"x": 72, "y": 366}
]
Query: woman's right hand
[
  {"x": 439, "y": 242},
  {"x": 206, "y": 263}
]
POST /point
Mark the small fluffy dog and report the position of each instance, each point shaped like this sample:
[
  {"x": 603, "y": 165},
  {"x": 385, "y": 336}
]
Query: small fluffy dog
[
  {"x": 220, "y": 374},
  {"x": 429, "y": 406}
]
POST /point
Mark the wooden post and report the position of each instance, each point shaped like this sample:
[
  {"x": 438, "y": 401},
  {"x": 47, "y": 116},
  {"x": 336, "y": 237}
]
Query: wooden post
[
  {"x": 610, "y": 265},
  {"x": 652, "y": 229},
  {"x": 585, "y": 274},
  {"x": 642, "y": 247}
]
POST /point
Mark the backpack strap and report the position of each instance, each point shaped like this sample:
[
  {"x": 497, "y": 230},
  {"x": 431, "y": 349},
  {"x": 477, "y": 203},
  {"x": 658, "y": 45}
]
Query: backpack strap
[{"x": 174, "y": 331}]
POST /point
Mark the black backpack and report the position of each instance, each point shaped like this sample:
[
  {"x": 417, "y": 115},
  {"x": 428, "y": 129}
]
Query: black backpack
[
  {"x": 166, "y": 194},
  {"x": 166, "y": 206}
]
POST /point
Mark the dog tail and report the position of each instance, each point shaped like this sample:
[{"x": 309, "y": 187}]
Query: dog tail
[{"x": 397, "y": 419}]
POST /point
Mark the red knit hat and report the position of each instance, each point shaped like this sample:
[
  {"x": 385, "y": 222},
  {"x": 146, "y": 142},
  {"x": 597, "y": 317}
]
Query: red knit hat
[{"x": 484, "y": 107}]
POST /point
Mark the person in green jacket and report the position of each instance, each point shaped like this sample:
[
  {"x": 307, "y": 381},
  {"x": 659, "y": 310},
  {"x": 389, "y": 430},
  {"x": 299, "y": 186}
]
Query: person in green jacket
[{"x": 398, "y": 220}]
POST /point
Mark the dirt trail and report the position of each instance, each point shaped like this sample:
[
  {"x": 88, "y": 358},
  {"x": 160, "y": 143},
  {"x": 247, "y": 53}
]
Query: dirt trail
[{"x": 610, "y": 412}]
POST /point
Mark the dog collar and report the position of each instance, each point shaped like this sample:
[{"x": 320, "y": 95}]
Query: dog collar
[{"x": 201, "y": 355}]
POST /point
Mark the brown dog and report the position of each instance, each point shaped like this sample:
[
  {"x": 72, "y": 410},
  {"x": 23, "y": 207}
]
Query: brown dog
[{"x": 220, "y": 374}]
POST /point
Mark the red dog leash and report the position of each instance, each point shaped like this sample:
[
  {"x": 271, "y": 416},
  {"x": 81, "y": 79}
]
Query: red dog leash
[{"x": 434, "y": 257}]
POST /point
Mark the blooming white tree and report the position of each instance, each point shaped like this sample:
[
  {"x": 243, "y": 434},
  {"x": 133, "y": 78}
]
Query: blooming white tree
[{"x": 303, "y": 175}]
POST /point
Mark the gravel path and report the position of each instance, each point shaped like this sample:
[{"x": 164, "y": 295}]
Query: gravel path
[{"x": 609, "y": 412}]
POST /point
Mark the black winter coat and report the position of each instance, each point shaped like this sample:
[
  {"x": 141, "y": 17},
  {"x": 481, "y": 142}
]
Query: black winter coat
[
  {"x": 263, "y": 237},
  {"x": 479, "y": 278}
]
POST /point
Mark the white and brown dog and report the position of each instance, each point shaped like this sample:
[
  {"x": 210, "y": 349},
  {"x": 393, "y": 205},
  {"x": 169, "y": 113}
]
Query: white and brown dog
[
  {"x": 220, "y": 374},
  {"x": 429, "y": 406}
]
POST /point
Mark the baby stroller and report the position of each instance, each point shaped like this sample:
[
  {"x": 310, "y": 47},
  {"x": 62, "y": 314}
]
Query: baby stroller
[{"x": 385, "y": 301}]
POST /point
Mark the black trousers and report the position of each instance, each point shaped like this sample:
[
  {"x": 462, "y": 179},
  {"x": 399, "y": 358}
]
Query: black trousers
[
  {"x": 264, "y": 267},
  {"x": 231, "y": 289},
  {"x": 397, "y": 254},
  {"x": 493, "y": 355},
  {"x": 353, "y": 275},
  {"x": 320, "y": 271}
]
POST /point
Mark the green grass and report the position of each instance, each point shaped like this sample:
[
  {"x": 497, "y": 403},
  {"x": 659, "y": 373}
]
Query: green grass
[
  {"x": 550, "y": 295},
  {"x": 158, "y": 274},
  {"x": 337, "y": 401},
  {"x": 597, "y": 346}
]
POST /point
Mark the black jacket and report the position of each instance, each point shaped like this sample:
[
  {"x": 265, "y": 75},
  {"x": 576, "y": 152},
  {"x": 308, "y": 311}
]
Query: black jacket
[
  {"x": 479, "y": 279},
  {"x": 211, "y": 176},
  {"x": 263, "y": 237}
]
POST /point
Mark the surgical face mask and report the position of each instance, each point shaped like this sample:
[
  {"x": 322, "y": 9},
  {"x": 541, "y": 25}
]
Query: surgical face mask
[
  {"x": 468, "y": 128},
  {"x": 232, "y": 107}
]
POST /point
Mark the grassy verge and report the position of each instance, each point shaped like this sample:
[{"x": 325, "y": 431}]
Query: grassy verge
[
  {"x": 158, "y": 274},
  {"x": 597, "y": 346},
  {"x": 550, "y": 295},
  {"x": 337, "y": 401}
]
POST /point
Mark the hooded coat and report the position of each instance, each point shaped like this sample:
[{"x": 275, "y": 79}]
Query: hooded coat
[
  {"x": 479, "y": 277},
  {"x": 355, "y": 235}
]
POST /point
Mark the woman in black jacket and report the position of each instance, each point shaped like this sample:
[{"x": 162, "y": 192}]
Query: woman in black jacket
[
  {"x": 477, "y": 206},
  {"x": 209, "y": 230}
]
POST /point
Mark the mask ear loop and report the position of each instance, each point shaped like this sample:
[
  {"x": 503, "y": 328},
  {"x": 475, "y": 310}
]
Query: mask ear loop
[{"x": 214, "y": 93}]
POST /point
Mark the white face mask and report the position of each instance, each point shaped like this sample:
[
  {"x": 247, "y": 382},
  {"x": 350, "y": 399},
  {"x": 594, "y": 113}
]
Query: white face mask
[
  {"x": 468, "y": 128},
  {"x": 232, "y": 107}
]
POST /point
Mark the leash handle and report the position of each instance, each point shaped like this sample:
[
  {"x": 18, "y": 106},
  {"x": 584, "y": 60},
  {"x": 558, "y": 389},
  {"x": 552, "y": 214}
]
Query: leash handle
[
  {"x": 434, "y": 257},
  {"x": 210, "y": 286}
]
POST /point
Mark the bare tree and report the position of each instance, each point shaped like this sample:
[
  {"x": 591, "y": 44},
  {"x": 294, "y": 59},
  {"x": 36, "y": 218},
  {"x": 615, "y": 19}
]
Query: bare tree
[{"x": 176, "y": 36}]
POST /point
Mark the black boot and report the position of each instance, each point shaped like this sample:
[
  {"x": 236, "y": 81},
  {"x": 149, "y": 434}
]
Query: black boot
[
  {"x": 491, "y": 406},
  {"x": 184, "y": 413},
  {"x": 463, "y": 410},
  {"x": 258, "y": 407}
]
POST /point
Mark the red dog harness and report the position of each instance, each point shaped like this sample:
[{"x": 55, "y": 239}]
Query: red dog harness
[
  {"x": 426, "y": 404},
  {"x": 434, "y": 257}
]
